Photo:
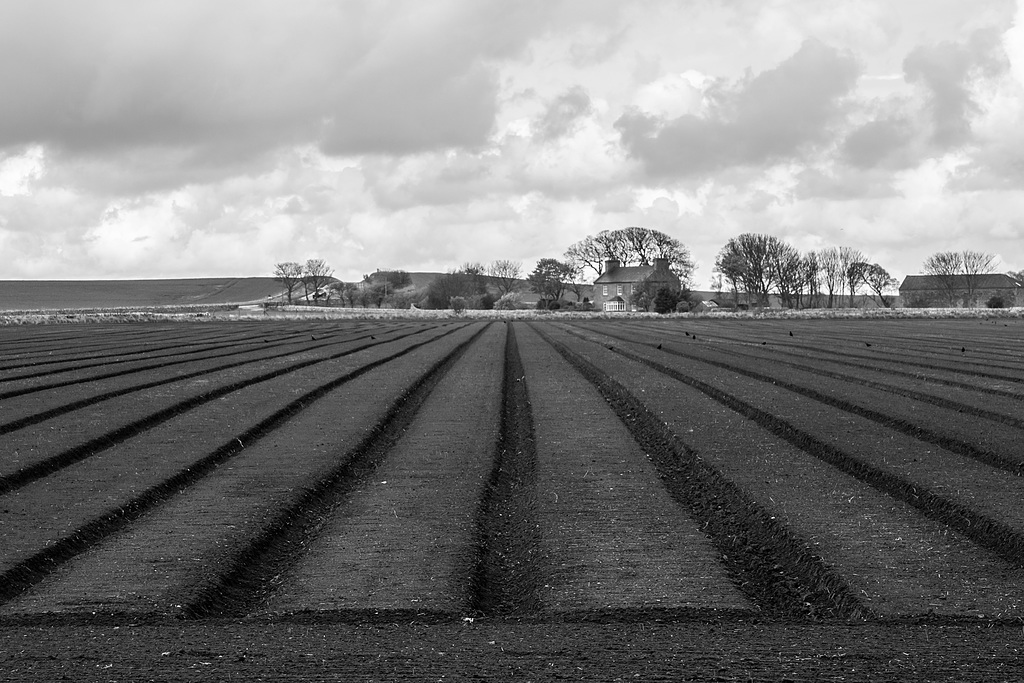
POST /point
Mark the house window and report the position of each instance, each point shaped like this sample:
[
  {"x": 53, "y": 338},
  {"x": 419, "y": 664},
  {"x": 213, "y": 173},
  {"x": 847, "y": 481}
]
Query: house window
[
  {"x": 604, "y": 290},
  {"x": 618, "y": 290},
  {"x": 614, "y": 306}
]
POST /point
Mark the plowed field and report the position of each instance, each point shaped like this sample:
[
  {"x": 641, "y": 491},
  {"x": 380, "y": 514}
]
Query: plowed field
[{"x": 545, "y": 500}]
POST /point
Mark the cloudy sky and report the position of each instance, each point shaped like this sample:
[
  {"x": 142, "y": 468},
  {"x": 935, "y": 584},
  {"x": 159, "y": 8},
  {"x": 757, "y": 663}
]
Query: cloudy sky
[{"x": 192, "y": 139}]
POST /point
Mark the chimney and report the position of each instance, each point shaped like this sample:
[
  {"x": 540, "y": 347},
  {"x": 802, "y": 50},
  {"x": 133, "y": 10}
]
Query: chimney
[
  {"x": 661, "y": 264},
  {"x": 610, "y": 265}
]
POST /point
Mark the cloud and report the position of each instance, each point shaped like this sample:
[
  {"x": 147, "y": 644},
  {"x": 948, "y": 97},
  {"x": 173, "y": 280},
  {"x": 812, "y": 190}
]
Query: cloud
[
  {"x": 768, "y": 117},
  {"x": 946, "y": 70},
  {"x": 199, "y": 89},
  {"x": 882, "y": 142},
  {"x": 563, "y": 113}
]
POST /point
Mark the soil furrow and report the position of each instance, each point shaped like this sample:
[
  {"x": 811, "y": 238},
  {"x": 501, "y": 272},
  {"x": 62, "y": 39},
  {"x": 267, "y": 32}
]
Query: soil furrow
[
  {"x": 898, "y": 562},
  {"x": 768, "y": 564},
  {"x": 246, "y": 579},
  {"x": 171, "y": 349},
  {"x": 48, "y": 464},
  {"x": 840, "y": 397},
  {"x": 612, "y": 539},
  {"x": 1002, "y": 538},
  {"x": 506, "y": 572},
  {"x": 404, "y": 539},
  {"x": 145, "y": 366},
  {"x": 22, "y": 572}
]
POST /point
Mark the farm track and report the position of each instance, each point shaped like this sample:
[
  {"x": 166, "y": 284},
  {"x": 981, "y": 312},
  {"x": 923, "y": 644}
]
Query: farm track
[{"x": 604, "y": 500}]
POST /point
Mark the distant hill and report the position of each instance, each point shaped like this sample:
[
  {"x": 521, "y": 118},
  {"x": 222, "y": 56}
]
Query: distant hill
[{"x": 51, "y": 294}]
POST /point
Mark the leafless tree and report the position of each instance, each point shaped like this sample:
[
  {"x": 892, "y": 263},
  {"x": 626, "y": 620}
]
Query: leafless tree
[
  {"x": 472, "y": 268},
  {"x": 288, "y": 274},
  {"x": 506, "y": 275},
  {"x": 587, "y": 253},
  {"x": 784, "y": 265},
  {"x": 811, "y": 279},
  {"x": 732, "y": 266},
  {"x": 748, "y": 259},
  {"x": 878, "y": 280},
  {"x": 631, "y": 246},
  {"x": 847, "y": 257},
  {"x": 574, "y": 279},
  {"x": 315, "y": 275},
  {"x": 944, "y": 267},
  {"x": 832, "y": 275},
  {"x": 975, "y": 265}
]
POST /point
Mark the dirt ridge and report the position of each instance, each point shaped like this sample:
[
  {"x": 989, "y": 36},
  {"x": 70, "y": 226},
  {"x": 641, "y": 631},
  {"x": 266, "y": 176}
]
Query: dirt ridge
[
  {"x": 33, "y": 569},
  {"x": 768, "y": 563}
]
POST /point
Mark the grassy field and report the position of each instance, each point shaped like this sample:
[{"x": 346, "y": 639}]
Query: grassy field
[
  {"x": 33, "y": 295},
  {"x": 717, "y": 498}
]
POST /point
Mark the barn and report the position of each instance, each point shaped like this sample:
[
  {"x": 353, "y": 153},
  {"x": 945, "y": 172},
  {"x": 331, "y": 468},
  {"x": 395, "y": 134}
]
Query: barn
[{"x": 961, "y": 291}]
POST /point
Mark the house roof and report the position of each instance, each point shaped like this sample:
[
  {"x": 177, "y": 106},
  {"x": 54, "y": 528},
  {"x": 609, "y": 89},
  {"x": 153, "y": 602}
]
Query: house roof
[
  {"x": 632, "y": 274},
  {"x": 913, "y": 283}
]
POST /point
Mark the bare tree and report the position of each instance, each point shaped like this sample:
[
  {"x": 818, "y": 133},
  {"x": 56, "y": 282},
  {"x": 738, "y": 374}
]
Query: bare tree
[
  {"x": 574, "y": 279},
  {"x": 847, "y": 257},
  {"x": 731, "y": 266},
  {"x": 506, "y": 275},
  {"x": 632, "y": 245},
  {"x": 878, "y": 280},
  {"x": 587, "y": 253},
  {"x": 975, "y": 265},
  {"x": 1017, "y": 275},
  {"x": 944, "y": 267},
  {"x": 288, "y": 274},
  {"x": 831, "y": 273},
  {"x": 315, "y": 275},
  {"x": 613, "y": 245},
  {"x": 811, "y": 279},
  {"x": 786, "y": 271},
  {"x": 748, "y": 259}
]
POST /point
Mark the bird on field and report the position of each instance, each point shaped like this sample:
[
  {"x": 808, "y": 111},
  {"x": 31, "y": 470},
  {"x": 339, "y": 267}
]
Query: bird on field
[
  {"x": 764, "y": 343},
  {"x": 867, "y": 344},
  {"x": 313, "y": 337},
  {"x": 611, "y": 348},
  {"x": 790, "y": 333},
  {"x": 372, "y": 337},
  {"x": 659, "y": 347},
  {"x": 963, "y": 349},
  {"x": 695, "y": 337}
]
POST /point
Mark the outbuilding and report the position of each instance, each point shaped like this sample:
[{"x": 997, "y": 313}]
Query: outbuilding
[{"x": 961, "y": 291}]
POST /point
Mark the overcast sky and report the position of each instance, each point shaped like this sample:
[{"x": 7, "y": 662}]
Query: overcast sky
[{"x": 193, "y": 139}]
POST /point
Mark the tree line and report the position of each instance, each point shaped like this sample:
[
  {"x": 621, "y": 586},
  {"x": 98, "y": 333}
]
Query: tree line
[
  {"x": 752, "y": 267},
  {"x": 759, "y": 265}
]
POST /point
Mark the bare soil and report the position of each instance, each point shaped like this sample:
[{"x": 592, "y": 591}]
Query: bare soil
[{"x": 457, "y": 500}]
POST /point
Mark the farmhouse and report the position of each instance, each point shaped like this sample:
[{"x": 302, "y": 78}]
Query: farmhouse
[
  {"x": 614, "y": 288},
  {"x": 928, "y": 291}
]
